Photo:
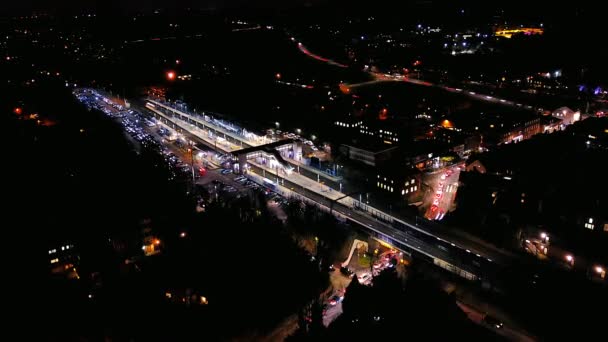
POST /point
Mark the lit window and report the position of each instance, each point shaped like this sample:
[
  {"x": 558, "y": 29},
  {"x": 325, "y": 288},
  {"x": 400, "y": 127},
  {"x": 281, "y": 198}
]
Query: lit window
[
  {"x": 415, "y": 187},
  {"x": 378, "y": 184},
  {"x": 391, "y": 189},
  {"x": 590, "y": 220},
  {"x": 54, "y": 261},
  {"x": 407, "y": 191},
  {"x": 402, "y": 192}
]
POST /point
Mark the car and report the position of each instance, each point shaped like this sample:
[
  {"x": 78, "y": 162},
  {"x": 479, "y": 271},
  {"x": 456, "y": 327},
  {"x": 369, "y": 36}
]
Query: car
[
  {"x": 364, "y": 278},
  {"x": 346, "y": 271},
  {"x": 492, "y": 321},
  {"x": 335, "y": 300}
]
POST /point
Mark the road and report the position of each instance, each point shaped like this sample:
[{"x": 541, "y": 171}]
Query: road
[
  {"x": 443, "y": 185},
  {"x": 477, "y": 316},
  {"x": 396, "y": 77}
]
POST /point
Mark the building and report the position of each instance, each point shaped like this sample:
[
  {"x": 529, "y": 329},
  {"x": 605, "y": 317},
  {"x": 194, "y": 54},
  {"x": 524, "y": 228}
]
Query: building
[
  {"x": 368, "y": 152},
  {"x": 495, "y": 127},
  {"x": 399, "y": 181},
  {"x": 566, "y": 115},
  {"x": 456, "y": 141}
]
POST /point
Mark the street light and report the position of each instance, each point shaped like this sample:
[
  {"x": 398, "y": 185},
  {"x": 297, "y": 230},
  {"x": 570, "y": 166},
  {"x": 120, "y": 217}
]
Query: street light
[
  {"x": 299, "y": 131},
  {"x": 277, "y": 124},
  {"x": 543, "y": 235}
]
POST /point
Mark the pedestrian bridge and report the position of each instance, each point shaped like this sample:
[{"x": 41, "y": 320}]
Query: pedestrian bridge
[{"x": 268, "y": 154}]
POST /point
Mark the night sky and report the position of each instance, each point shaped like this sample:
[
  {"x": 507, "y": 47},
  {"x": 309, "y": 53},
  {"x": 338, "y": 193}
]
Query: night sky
[{"x": 536, "y": 7}]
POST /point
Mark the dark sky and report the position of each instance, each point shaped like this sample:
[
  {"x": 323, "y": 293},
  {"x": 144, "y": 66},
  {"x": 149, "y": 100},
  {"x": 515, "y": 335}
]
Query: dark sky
[
  {"x": 581, "y": 12},
  {"x": 121, "y": 5}
]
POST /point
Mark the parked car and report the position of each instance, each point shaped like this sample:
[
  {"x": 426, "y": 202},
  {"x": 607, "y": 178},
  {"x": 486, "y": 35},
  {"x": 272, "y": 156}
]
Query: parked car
[{"x": 346, "y": 271}]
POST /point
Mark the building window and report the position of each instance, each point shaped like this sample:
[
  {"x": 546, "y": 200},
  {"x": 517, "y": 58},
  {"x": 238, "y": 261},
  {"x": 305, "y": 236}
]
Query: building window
[
  {"x": 415, "y": 187},
  {"x": 402, "y": 192},
  {"x": 589, "y": 226}
]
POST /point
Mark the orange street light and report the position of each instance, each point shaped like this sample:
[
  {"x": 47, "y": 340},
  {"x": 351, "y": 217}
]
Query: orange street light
[
  {"x": 157, "y": 242},
  {"x": 170, "y": 75}
]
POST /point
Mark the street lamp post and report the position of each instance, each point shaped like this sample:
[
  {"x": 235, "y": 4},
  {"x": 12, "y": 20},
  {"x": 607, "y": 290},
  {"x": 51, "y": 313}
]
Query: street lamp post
[{"x": 191, "y": 150}]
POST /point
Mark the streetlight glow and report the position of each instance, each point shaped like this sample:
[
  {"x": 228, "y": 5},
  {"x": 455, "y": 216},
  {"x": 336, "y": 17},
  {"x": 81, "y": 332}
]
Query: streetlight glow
[{"x": 569, "y": 258}]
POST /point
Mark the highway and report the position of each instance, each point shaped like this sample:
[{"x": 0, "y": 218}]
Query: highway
[
  {"x": 378, "y": 77},
  {"x": 465, "y": 257}
]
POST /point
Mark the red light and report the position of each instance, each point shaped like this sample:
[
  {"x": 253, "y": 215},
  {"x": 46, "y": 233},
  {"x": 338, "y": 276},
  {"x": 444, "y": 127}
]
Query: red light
[
  {"x": 383, "y": 114},
  {"x": 170, "y": 75},
  {"x": 278, "y": 76},
  {"x": 18, "y": 110},
  {"x": 177, "y": 61}
]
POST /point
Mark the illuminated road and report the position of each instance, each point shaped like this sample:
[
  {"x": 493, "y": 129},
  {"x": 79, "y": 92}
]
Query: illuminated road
[
  {"x": 443, "y": 186},
  {"x": 305, "y": 51},
  {"x": 381, "y": 78}
]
